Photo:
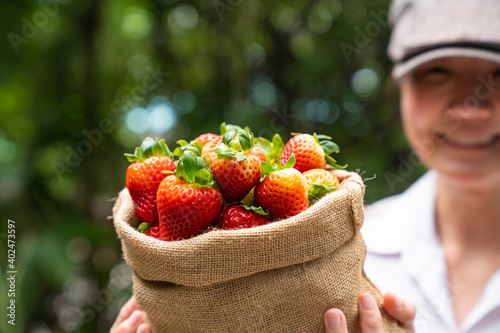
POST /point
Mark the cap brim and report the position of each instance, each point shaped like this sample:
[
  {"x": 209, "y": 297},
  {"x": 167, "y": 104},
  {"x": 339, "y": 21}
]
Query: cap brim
[{"x": 401, "y": 69}]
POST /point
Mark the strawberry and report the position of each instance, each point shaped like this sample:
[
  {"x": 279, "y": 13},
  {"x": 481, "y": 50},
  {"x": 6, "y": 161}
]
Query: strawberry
[
  {"x": 259, "y": 153},
  {"x": 144, "y": 176},
  {"x": 240, "y": 216},
  {"x": 208, "y": 142},
  {"x": 236, "y": 167},
  {"x": 209, "y": 138},
  {"x": 187, "y": 201},
  {"x": 320, "y": 182},
  {"x": 310, "y": 152},
  {"x": 204, "y": 231},
  {"x": 150, "y": 229},
  {"x": 283, "y": 192}
]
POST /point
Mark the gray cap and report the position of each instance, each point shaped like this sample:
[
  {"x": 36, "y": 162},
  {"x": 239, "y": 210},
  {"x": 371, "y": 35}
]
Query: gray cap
[{"x": 425, "y": 30}]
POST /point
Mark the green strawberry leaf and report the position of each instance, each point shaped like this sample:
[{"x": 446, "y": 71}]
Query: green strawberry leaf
[
  {"x": 178, "y": 152},
  {"x": 272, "y": 150},
  {"x": 150, "y": 147},
  {"x": 224, "y": 153},
  {"x": 257, "y": 209},
  {"x": 147, "y": 145},
  {"x": 241, "y": 156},
  {"x": 329, "y": 147},
  {"x": 266, "y": 168},
  {"x": 290, "y": 163},
  {"x": 322, "y": 137},
  {"x": 193, "y": 169},
  {"x": 203, "y": 177},
  {"x": 228, "y": 137},
  {"x": 143, "y": 227},
  {"x": 245, "y": 140},
  {"x": 184, "y": 146},
  {"x": 318, "y": 191},
  {"x": 265, "y": 145},
  {"x": 330, "y": 160},
  {"x": 190, "y": 163}
]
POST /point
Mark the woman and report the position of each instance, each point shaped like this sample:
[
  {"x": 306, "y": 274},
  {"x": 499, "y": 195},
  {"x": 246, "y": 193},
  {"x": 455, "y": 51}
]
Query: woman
[{"x": 438, "y": 244}]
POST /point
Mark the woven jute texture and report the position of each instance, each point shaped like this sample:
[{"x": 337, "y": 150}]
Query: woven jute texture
[{"x": 280, "y": 277}]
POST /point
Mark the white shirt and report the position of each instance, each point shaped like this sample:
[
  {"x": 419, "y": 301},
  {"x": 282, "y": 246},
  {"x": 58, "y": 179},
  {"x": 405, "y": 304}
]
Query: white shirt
[{"x": 404, "y": 255}]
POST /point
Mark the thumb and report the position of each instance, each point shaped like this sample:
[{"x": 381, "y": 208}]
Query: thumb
[{"x": 335, "y": 321}]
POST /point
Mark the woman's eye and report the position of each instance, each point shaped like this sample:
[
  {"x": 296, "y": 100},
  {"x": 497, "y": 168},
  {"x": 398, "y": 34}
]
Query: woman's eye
[{"x": 437, "y": 70}]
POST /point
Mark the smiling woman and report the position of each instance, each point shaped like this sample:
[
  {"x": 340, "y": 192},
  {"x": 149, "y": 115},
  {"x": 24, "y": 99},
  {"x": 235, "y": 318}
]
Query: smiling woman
[{"x": 444, "y": 103}]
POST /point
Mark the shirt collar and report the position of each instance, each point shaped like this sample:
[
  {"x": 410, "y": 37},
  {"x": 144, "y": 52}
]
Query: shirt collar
[{"x": 392, "y": 222}]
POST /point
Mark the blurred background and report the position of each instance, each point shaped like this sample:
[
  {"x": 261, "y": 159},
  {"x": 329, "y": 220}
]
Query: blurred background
[{"x": 82, "y": 82}]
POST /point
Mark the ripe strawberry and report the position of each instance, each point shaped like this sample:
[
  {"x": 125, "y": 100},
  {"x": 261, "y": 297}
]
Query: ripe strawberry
[
  {"x": 144, "y": 176},
  {"x": 209, "y": 138},
  {"x": 204, "y": 231},
  {"x": 283, "y": 192},
  {"x": 238, "y": 216},
  {"x": 320, "y": 182},
  {"x": 187, "y": 201},
  {"x": 209, "y": 142},
  {"x": 150, "y": 229},
  {"x": 310, "y": 152},
  {"x": 236, "y": 167}
]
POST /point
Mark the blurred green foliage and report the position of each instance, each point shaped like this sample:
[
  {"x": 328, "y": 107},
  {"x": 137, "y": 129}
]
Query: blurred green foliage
[{"x": 82, "y": 82}]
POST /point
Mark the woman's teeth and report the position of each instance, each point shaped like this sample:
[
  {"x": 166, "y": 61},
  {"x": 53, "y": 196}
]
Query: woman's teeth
[{"x": 468, "y": 141}]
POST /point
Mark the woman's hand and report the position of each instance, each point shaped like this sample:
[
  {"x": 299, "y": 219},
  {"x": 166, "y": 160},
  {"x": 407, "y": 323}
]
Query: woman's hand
[
  {"x": 130, "y": 320},
  {"x": 370, "y": 319}
]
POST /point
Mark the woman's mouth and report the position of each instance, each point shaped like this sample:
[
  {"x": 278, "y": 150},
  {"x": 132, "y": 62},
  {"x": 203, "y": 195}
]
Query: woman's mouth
[{"x": 479, "y": 141}]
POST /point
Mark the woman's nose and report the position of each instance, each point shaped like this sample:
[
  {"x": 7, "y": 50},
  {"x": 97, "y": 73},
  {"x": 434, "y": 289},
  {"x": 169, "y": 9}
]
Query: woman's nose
[
  {"x": 478, "y": 112},
  {"x": 471, "y": 103}
]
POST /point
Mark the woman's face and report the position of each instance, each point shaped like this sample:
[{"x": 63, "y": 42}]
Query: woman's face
[{"x": 451, "y": 115}]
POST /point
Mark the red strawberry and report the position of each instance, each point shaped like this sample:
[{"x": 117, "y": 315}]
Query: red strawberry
[
  {"x": 204, "y": 231},
  {"x": 209, "y": 138},
  {"x": 187, "y": 201},
  {"x": 310, "y": 152},
  {"x": 150, "y": 229},
  {"x": 237, "y": 217},
  {"x": 209, "y": 142},
  {"x": 283, "y": 192},
  {"x": 236, "y": 167},
  {"x": 144, "y": 176},
  {"x": 259, "y": 153},
  {"x": 153, "y": 230}
]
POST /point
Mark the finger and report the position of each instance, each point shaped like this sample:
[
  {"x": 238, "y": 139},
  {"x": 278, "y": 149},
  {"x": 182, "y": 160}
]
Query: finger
[
  {"x": 127, "y": 309},
  {"x": 131, "y": 324},
  {"x": 370, "y": 319},
  {"x": 144, "y": 328},
  {"x": 125, "y": 312},
  {"x": 401, "y": 310},
  {"x": 335, "y": 321}
]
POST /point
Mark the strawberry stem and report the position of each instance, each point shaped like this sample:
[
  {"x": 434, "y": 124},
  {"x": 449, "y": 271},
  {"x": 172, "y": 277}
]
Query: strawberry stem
[
  {"x": 150, "y": 147},
  {"x": 267, "y": 167},
  {"x": 272, "y": 149},
  {"x": 192, "y": 169}
]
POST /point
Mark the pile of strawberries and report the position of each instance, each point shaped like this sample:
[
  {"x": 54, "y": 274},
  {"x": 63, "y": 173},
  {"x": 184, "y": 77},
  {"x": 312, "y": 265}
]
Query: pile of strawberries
[{"x": 227, "y": 181}]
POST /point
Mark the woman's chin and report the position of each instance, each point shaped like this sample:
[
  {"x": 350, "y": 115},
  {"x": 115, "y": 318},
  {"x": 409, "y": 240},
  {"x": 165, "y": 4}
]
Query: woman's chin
[{"x": 470, "y": 175}]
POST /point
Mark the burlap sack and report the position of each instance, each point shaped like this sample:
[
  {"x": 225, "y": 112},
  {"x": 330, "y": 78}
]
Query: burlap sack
[{"x": 280, "y": 277}]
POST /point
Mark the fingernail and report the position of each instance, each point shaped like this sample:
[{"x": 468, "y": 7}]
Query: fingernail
[
  {"x": 398, "y": 303},
  {"x": 367, "y": 302},
  {"x": 333, "y": 319},
  {"x": 136, "y": 316}
]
